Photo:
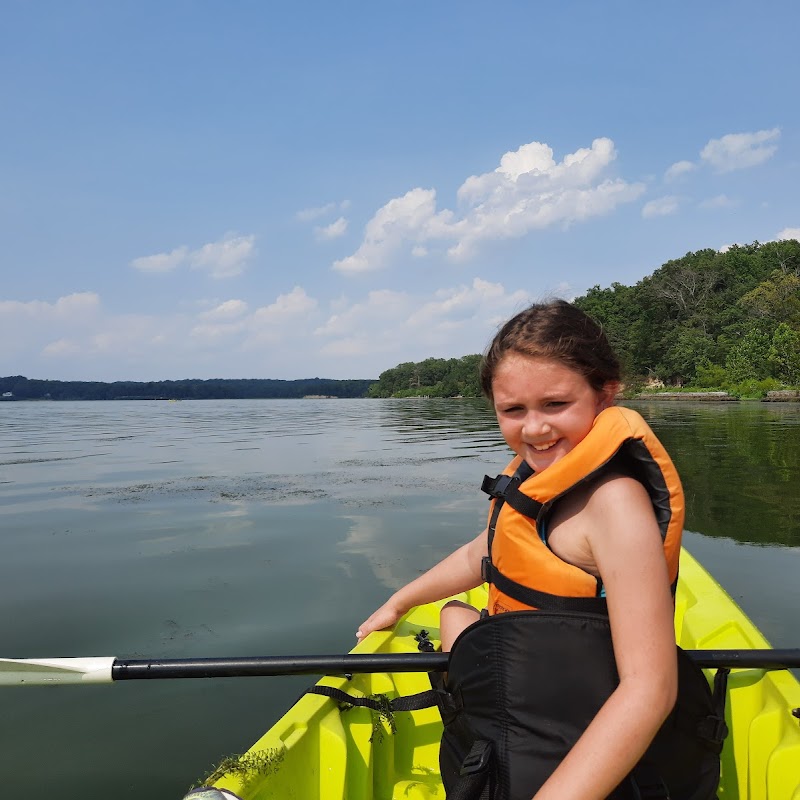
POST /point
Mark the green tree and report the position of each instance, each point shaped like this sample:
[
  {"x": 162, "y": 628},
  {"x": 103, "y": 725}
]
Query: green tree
[
  {"x": 748, "y": 358},
  {"x": 783, "y": 356}
]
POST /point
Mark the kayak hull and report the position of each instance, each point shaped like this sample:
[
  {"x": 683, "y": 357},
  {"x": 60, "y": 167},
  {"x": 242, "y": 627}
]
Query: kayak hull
[{"x": 317, "y": 752}]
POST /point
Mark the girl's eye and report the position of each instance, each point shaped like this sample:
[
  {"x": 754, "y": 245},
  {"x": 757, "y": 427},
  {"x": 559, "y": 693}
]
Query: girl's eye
[{"x": 556, "y": 403}]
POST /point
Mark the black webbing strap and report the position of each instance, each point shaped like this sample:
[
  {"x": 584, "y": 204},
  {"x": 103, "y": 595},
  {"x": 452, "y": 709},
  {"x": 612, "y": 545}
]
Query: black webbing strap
[
  {"x": 713, "y": 729},
  {"x": 473, "y": 782},
  {"x": 412, "y": 702},
  {"x": 541, "y": 600},
  {"x": 506, "y": 487}
]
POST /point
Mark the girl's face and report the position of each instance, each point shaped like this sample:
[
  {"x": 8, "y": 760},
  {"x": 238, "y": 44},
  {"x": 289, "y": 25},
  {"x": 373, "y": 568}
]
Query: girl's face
[{"x": 544, "y": 408}]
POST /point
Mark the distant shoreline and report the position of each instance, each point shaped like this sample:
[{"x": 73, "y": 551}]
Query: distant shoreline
[{"x": 18, "y": 387}]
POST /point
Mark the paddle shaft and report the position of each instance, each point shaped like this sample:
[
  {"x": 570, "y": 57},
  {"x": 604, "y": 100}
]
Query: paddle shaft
[
  {"x": 264, "y": 666},
  {"x": 139, "y": 669},
  {"x": 49, "y": 671}
]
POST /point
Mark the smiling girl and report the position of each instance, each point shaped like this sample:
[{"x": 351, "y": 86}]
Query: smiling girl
[{"x": 563, "y": 696}]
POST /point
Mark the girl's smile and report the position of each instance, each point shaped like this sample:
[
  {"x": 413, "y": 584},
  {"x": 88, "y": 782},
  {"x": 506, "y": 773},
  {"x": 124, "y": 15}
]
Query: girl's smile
[{"x": 543, "y": 407}]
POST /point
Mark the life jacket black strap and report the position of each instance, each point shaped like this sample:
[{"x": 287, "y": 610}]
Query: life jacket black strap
[
  {"x": 543, "y": 601},
  {"x": 506, "y": 487}
]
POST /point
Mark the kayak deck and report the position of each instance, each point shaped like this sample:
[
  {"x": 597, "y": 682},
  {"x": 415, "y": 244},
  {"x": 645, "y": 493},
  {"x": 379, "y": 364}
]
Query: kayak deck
[
  {"x": 761, "y": 757},
  {"x": 317, "y": 752}
]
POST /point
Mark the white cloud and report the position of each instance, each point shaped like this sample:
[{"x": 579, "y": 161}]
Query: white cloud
[
  {"x": 661, "y": 207},
  {"x": 720, "y": 201},
  {"x": 789, "y": 233},
  {"x": 161, "y": 262},
  {"x": 70, "y": 308},
  {"x": 289, "y": 336},
  {"x": 462, "y": 305},
  {"x": 388, "y": 326},
  {"x": 399, "y": 221},
  {"x": 332, "y": 231},
  {"x": 222, "y": 259},
  {"x": 230, "y": 319},
  {"x": 529, "y": 190},
  {"x": 230, "y": 309},
  {"x": 741, "y": 150},
  {"x": 678, "y": 170},
  {"x": 295, "y": 303},
  {"x": 225, "y": 258},
  {"x": 310, "y": 214},
  {"x": 60, "y": 348},
  {"x": 380, "y": 304}
]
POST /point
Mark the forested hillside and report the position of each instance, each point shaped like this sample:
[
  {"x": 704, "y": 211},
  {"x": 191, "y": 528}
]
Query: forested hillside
[
  {"x": 709, "y": 320},
  {"x": 434, "y": 377}
]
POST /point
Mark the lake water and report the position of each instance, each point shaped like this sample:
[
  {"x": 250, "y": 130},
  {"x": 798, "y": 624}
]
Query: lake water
[{"x": 225, "y": 528}]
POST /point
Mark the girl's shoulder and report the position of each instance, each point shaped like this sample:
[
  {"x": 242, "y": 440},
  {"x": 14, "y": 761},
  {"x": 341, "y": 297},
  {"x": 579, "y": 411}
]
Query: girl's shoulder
[{"x": 614, "y": 490}]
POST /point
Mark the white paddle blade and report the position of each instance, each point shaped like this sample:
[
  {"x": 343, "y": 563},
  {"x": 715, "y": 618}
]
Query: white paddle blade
[{"x": 44, "y": 671}]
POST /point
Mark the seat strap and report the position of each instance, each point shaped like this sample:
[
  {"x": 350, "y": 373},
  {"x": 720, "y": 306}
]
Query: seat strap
[
  {"x": 473, "y": 782},
  {"x": 713, "y": 729},
  {"x": 380, "y": 703}
]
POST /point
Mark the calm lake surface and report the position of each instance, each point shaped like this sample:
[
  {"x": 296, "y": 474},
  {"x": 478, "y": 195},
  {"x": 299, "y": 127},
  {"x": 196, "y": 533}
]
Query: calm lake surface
[{"x": 225, "y": 528}]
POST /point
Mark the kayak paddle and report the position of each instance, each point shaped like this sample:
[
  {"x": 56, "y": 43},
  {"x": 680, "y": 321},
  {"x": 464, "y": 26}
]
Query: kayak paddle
[{"x": 45, "y": 671}]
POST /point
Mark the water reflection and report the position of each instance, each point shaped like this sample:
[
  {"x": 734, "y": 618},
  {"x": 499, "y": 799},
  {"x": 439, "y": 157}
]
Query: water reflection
[{"x": 740, "y": 466}]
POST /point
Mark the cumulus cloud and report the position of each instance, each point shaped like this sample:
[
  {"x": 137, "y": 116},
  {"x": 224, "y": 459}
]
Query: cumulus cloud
[
  {"x": 294, "y": 303},
  {"x": 332, "y": 231},
  {"x": 72, "y": 309},
  {"x": 390, "y": 326},
  {"x": 230, "y": 309},
  {"x": 678, "y": 170},
  {"x": 720, "y": 201},
  {"x": 310, "y": 214},
  {"x": 287, "y": 336},
  {"x": 266, "y": 323},
  {"x": 529, "y": 190},
  {"x": 161, "y": 262},
  {"x": 400, "y": 220},
  {"x": 741, "y": 150},
  {"x": 225, "y": 258},
  {"x": 661, "y": 207},
  {"x": 789, "y": 233}
]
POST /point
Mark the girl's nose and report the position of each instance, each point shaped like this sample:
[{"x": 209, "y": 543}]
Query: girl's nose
[{"x": 535, "y": 425}]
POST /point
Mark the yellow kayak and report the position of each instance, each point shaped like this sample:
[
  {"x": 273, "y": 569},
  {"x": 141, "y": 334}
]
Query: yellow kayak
[{"x": 317, "y": 752}]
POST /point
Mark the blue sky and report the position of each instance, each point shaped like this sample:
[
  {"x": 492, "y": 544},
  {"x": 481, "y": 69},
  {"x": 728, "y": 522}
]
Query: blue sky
[{"x": 287, "y": 190}]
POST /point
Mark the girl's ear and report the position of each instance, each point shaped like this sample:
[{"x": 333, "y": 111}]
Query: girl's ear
[{"x": 607, "y": 395}]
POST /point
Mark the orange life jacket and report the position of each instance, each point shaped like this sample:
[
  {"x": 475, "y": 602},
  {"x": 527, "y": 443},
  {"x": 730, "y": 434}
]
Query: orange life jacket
[{"x": 522, "y": 571}]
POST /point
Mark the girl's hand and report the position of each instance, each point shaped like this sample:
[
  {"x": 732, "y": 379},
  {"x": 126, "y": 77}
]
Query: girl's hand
[{"x": 385, "y": 617}]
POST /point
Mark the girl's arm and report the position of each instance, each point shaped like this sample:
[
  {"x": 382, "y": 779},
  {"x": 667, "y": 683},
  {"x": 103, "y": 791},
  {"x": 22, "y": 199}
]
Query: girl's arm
[
  {"x": 457, "y": 573},
  {"x": 626, "y": 545}
]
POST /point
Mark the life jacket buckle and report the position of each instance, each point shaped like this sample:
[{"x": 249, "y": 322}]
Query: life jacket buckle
[
  {"x": 478, "y": 758},
  {"x": 486, "y": 567},
  {"x": 713, "y": 729},
  {"x": 496, "y": 487}
]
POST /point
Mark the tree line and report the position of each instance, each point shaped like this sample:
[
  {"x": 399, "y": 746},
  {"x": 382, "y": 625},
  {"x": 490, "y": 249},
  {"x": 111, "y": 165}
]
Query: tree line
[
  {"x": 18, "y": 387},
  {"x": 709, "y": 320},
  {"x": 433, "y": 377}
]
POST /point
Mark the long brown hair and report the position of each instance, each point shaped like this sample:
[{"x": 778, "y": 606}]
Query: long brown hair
[{"x": 557, "y": 330}]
